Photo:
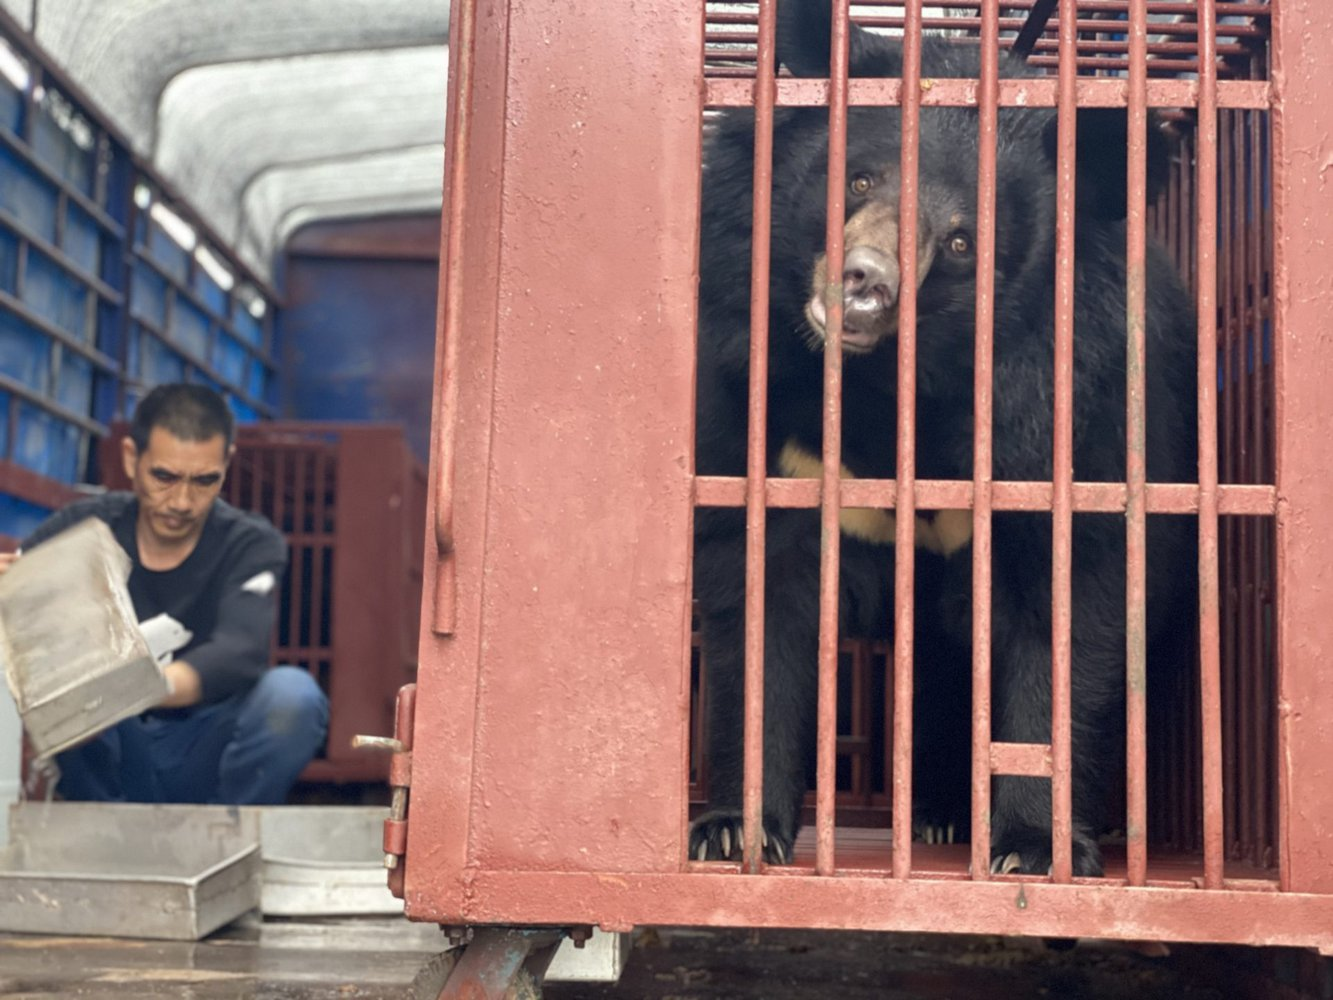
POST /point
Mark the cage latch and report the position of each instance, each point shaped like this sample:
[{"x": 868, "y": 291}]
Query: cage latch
[{"x": 400, "y": 780}]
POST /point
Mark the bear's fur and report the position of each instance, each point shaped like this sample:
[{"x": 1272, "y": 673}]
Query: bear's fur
[{"x": 1023, "y": 433}]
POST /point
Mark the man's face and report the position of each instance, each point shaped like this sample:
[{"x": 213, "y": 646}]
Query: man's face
[{"x": 176, "y": 482}]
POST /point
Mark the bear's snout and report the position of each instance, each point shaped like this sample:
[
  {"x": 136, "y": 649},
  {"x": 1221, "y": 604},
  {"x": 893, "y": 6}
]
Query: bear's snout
[{"x": 869, "y": 288}]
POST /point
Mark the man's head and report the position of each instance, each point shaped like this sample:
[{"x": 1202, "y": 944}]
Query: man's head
[{"x": 176, "y": 457}]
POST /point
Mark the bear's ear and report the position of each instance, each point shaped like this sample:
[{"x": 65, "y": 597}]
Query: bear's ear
[
  {"x": 1103, "y": 159},
  {"x": 805, "y": 35}
]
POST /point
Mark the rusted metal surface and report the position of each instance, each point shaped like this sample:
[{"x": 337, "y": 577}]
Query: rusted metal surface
[
  {"x": 1062, "y": 486},
  {"x": 501, "y": 964},
  {"x": 1172, "y": 48},
  {"x": 399, "y": 747},
  {"x": 831, "y": 480},
  {"x": 1301, "y": 342},
  {"x": 569, "y": 652},
  {"x": 1032, "y": 92},
  {"x": 853, "y": 901},
  {"x": 830, "y": 531},
  {"x": 1206, "y": 292},
  {"x": 905, "y": 497},
  {"x": 580, "y": 667},
  {"x": 756, "y": 514},
  {"x": 983, "y": 762},
  {"x": 444, "y": 428},
  {"x": 1136, "y": 463}
]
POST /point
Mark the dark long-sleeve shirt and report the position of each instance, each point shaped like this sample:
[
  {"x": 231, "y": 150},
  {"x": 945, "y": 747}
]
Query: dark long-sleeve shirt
[{"x": 225, "y": 592}]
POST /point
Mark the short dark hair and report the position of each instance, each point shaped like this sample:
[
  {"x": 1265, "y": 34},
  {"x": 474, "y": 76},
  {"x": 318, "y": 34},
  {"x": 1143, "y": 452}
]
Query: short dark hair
[{"x": 189, "y": 412}]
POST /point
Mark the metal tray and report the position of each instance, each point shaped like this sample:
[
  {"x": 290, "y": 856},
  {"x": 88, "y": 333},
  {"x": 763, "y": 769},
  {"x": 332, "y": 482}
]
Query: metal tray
[
  {"x": 145, "y": 871},
  {"x": 324, "y": 861},
  {"x": 71, "y": 649}
]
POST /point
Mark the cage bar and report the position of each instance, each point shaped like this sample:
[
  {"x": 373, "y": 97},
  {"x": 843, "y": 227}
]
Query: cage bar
[
  {"x": 1136, "y": 468},
  {"x": 905, "y": 493},
  {"x": 1062, "y": 466},
  {"x": 1209, "y": 615},
  {"x": 752, "y": 798},
  {"x": 983, "y": 408},
  {"x": 1090, "y": 497},
  {"x": 1257, "y": 560},
  {"x": 831, "y": 485}
]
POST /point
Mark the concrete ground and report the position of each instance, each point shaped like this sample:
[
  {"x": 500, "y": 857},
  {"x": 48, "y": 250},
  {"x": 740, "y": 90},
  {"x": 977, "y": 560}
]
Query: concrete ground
[{"x": 377, "y": 960}]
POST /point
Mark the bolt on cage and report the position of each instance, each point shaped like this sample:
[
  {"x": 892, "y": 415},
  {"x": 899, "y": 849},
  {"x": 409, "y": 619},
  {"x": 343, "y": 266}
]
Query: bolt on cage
[{"x": 552, "y": 724}]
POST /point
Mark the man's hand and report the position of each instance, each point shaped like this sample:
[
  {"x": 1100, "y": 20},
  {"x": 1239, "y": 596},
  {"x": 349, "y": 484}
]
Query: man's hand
[
  {"x": 186, "y": 688},
  {"x": 7, "y": 559}
]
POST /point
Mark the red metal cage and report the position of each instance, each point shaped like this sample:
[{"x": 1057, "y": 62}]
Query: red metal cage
[{"x": 550, "y": 742}]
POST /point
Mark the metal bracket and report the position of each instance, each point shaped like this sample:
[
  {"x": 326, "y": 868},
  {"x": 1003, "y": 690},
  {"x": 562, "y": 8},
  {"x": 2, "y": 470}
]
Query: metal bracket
[{"x": 400, "y": 781}]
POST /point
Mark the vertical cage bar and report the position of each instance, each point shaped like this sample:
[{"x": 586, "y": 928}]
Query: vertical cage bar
[
  {"x": 319, "y": 545},
  {"x": 983, "y": 408},
  {"x": 905, "y": 500},
  {"x": 1209, "y": 615},
  {"x": 1231, "y": 468},
  {"x": 765, "y": 94},
  {"x": 296, "y": 566},
  {"x": 831, "y": 489},
  {"x": 1238, "y": 667},
  {"x": 1261, "y": 533},
  {"x": 1136, "y": 468},
  {"x": 1062, "y": 468}
]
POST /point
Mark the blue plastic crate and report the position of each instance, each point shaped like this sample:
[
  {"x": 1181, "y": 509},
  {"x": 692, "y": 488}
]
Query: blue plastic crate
[
  {"x": 82, "y": 240},
  {"x": 74, "y": 389},
  {"x": 148, "y": 296},
  {"x": 56, "y": 295},
  {"x": 211, "y": 292},
  {"x": 158, "y": 363},
  {"x": 248, "y": 328},
  {"x": 25, "y": 352},
  {"x": 189, "y": 328},
  {"x": 27, "y": 196},
  {"x": 9, "y": 261},
  {"x": 133, "y": 356},
  {"x": 11, "y": 106},
  {"x": 57, "y": 149},
  {"x": 243, "y": 412},
  {"x": 229, "y": 359},
  {"x": 18, "y": 518},
  {"x": 257, "y": 383},
  {"x": 173, "y": 257},
  {"x": 48, "y": 445}
]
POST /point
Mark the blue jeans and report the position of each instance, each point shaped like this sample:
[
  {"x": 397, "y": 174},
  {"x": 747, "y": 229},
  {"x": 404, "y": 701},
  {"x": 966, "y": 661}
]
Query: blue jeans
[{"x": 245, "y": 750}]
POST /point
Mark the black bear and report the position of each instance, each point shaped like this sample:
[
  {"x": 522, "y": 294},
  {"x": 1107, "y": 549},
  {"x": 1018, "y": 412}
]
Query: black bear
[{"x": 1023, "y": 435}]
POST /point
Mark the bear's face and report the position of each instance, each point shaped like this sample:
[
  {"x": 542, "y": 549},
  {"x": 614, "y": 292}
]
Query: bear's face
[{"x": 945, "y": 271}]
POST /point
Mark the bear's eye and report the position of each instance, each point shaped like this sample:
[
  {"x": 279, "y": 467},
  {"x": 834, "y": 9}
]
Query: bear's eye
[
  {"x": 862, "y": 183},
  {"x": 960, "y": 244}
]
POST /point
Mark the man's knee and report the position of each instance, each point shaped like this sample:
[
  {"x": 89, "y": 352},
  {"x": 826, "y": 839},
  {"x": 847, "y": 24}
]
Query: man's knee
[{"x": 290, "y": 703}]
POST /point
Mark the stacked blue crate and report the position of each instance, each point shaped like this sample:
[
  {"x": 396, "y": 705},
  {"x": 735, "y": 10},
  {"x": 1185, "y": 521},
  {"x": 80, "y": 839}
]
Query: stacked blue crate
[{"x": 101, "y": 297}]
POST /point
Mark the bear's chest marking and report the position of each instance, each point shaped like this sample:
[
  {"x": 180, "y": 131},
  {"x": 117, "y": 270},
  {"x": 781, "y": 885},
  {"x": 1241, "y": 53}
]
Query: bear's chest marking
[{"x": 943, "y": 532}]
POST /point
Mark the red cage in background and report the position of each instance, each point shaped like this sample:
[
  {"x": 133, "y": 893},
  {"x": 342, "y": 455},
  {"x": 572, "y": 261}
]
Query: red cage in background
[
  {"x": 349, "y": 499},
  {"x": 546, "y": 744}
]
